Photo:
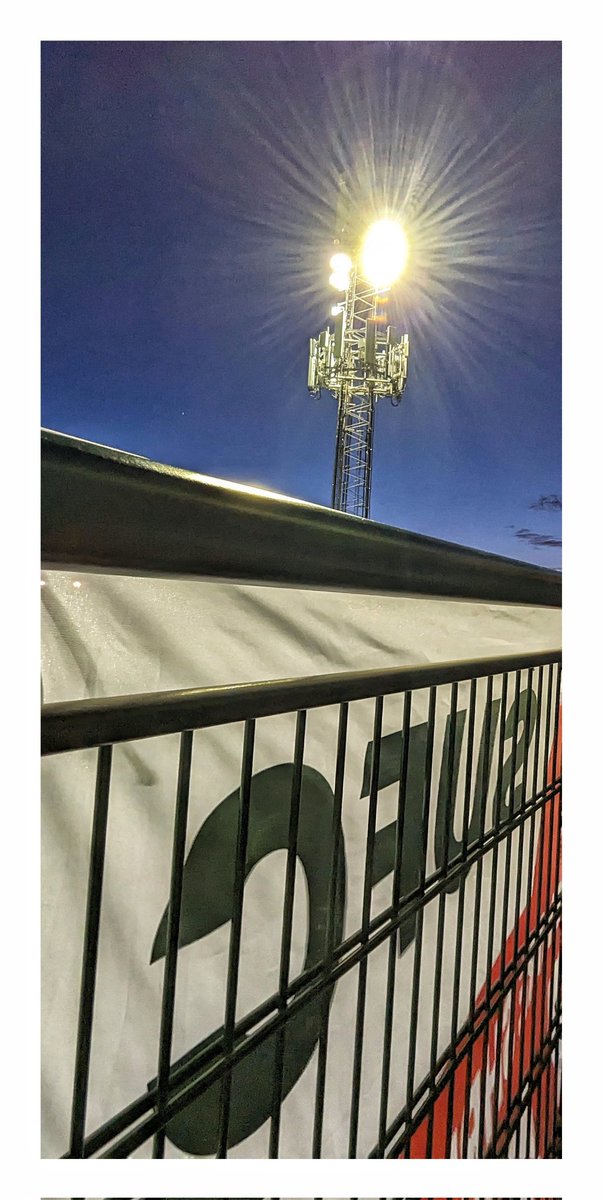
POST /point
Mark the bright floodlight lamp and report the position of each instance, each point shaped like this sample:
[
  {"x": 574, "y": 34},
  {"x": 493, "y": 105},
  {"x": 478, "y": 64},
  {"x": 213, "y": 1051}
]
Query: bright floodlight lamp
[
  {"x": 341, "y": 265},
  {"x": 384, "y": 253}
]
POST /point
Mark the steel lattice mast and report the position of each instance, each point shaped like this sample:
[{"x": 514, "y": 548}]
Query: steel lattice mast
[{"x": 358, "y": 362}]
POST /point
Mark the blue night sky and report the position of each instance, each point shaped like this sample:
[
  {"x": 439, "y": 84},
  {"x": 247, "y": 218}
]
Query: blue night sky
[{"x": 188, "y": 217}]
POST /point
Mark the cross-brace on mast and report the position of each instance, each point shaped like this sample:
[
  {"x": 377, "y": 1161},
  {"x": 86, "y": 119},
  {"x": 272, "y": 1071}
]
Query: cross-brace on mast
[{"x": 358, "y": 362}]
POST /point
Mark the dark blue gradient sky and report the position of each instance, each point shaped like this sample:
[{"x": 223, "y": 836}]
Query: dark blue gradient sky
[{"x": 188, "y": 193}]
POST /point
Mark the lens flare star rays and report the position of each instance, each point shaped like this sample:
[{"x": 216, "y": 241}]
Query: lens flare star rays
[{"x": 400, "y": 129}]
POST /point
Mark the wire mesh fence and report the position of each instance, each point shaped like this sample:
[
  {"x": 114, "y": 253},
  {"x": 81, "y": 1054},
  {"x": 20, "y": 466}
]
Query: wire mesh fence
[{"x": 444, "y": 941}]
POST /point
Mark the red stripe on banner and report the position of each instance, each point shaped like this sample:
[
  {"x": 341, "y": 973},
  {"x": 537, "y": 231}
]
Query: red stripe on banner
[{"x": 485, "y": 1049}]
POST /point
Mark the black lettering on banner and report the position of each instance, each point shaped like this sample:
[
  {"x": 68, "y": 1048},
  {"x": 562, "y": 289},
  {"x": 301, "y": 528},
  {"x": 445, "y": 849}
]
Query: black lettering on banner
[
  {"x": 207, "y": 898},
  {"x": 511, "y": 797},
  {"x": 412, "y": 833},
  {"x": 479, "y": 789}
]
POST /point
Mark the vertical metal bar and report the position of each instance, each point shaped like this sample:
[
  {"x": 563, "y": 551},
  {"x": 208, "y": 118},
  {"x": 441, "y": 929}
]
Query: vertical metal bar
[
  {"x": 90, "y": 953},
  {"x": 173, "y": 929},
  {"x": 551, "y": 890},
  {"x": 439, "y": 956},
  {"x": 416, "y": 979},
  {"x": 521, "y": 977},
  {"x": 550, "y": 803},
  {"x": 460, "y": 915},
  {"x": 321, "y": 1069},
  {"x": 337, "y": 465},
  {"x": 537, "y": 990},
  {"x": 283, "y": 983},
  {"x": 366, "y": 914},
  {"x": 556, "y": 1004},
  {"x": 485, "y": 780},
  {"x": 492, "y": 916},
  {"x": 548, "y": 1073},
  {"x": 547, "y": 815},
  {"x": 544, "y": 1072},
  {"x": 366, "y": 500},
  {"x": 531, "y": 961},
  {"x": 235, "y": 935},
  {"x": 396, "y": 898},
  {"x": 558, "y": 1100},
  {"x": 549, "y": 964},
  {"x": 505, "y": 911},
  {"x": 556, "y": 796},
  {"x": 555, "y": 891}
]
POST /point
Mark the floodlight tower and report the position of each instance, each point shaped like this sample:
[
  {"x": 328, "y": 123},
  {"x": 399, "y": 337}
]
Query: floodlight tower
[{"x": 358, "y": 360}]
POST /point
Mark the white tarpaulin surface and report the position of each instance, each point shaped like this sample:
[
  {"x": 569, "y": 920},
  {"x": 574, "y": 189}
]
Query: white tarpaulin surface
[{"x": 113, "y": 635}]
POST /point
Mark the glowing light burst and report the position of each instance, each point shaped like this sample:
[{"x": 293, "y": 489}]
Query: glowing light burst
[
  {"x": 341, "y": 263},
  {"x": 384, "y": 253},
  {"x": 402, "y": 127}
]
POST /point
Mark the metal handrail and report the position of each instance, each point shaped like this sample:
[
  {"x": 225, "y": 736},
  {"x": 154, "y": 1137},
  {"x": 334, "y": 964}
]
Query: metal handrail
[
  {"x": 108, "y": 511},
  {"x": 75, "y": 725}
]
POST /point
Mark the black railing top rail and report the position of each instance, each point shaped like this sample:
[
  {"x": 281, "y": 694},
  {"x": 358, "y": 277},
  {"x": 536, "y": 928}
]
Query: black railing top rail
[
  {"x": 79, "y": 724},
  {"x": 105, "y": 510}
]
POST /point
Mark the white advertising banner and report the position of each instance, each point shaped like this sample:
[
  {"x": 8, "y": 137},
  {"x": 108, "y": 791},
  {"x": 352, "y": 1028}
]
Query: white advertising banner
[{"x": 107, "y": 635}]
